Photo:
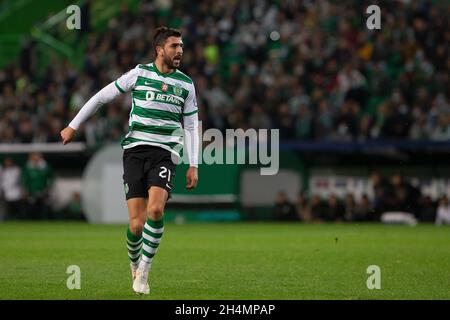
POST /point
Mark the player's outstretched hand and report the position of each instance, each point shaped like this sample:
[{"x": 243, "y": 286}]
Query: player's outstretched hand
[
  {"x": 67, "y": 135},
  {"x": 191, "y": 178}
]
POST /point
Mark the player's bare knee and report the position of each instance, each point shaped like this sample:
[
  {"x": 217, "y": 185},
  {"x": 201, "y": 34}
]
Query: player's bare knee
[
  {"x": 155, "y": 211},
  {"x": 136, "y": 226}
]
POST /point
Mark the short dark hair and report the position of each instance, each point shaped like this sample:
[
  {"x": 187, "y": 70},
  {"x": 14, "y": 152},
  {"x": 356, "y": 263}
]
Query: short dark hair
[{"x": 161, "y": 35}]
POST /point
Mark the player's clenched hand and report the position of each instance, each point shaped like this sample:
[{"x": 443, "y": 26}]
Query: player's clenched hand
[
  {"x": 67, "y": 135},
  {"x": 191, "y": 178}
]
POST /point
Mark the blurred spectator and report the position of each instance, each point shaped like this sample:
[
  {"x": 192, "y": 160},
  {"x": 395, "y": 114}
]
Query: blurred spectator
[
  {"x": 11, "y": 189},
  {"x": 317, "y": 208},
  {"x": 443, "y": 211},
  {"x": 304, "y": 123},
  {"x": 350, "y": 207},
  {"x": 38, "y": 179},
  {"x": 85, "y": 17},
  {"x": 303, "y": 208},
  {"x": 382, "y": 193},
  {"x": 73, "y": 210},
  {"x": 346, "y": 122},
  {"x": 284, "y": 210},
  {"x": 323, "y": 127},
  {"x": 285, "y": 123},
  {"x": 335, "y": 210},
  {"x": 405, "y": 197},
  {"x": 259, "y": 119},
  {"x": 365, "y": 128},
  {"x": 419, "y": 129},
  {"x": 427, "y": 209},
  {"x": 441, "y": 131},
  {"x": 364, "y": 210},
  {"x": 397, "y": 122}
]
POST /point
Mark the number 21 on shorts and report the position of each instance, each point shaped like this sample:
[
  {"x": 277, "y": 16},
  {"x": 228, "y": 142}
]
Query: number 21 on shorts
[{"x": 165, "y": 173}]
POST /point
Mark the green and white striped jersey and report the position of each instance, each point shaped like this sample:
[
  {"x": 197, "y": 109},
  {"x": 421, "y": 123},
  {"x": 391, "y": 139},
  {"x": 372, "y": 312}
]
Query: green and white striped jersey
[
  {"x": 159, "y": 104},
  {"x": 163, "y": 108}
]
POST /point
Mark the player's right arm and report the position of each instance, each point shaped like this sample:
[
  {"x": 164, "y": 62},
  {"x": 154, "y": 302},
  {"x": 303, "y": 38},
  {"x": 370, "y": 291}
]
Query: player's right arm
[{"x": 123, "y": 84}]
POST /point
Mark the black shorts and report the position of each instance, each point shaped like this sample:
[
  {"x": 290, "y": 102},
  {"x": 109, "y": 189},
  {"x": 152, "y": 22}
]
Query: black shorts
[{"x": 145, "y": 166}]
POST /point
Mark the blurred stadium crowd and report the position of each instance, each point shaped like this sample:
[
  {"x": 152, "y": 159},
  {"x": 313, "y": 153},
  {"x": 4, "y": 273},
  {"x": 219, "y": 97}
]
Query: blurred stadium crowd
[
  {"x": 310, "y": 68},
  {"x": 396, "y": 194}
]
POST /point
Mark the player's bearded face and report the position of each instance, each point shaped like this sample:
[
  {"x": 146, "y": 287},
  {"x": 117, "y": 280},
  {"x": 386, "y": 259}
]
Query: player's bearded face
[
  {"x": 171, "y": 62},
  {"x": 173, "y": 51}
]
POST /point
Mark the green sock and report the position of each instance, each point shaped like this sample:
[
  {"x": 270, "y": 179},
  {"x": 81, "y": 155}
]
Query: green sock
[
  {"x": 153, "y": 231},
  {"x": 134, "y": 245}
]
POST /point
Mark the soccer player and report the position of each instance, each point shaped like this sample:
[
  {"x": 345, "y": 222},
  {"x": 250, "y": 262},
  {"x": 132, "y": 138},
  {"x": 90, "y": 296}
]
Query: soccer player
[{"x": 162, "y": 98}]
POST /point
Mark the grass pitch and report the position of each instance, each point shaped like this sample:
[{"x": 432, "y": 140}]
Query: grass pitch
[{"x": 228, "y": 261}]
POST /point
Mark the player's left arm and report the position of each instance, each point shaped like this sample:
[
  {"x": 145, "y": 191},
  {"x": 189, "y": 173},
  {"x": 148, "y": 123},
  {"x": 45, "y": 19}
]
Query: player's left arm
[{"x": 190, "y": 124}]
